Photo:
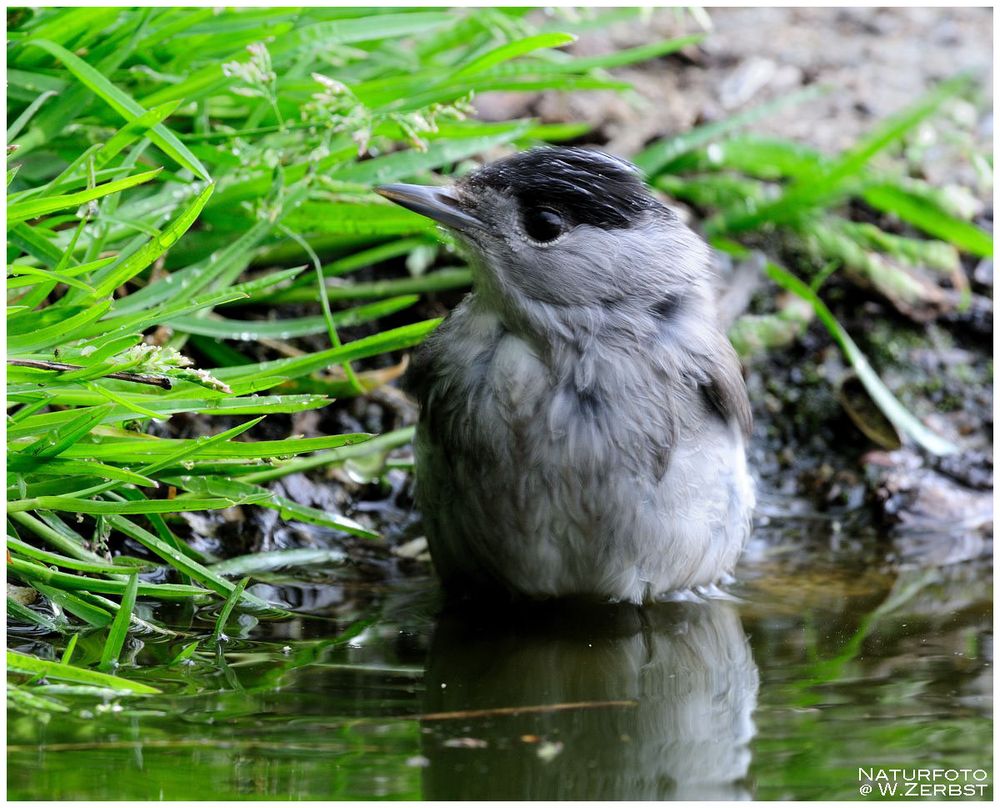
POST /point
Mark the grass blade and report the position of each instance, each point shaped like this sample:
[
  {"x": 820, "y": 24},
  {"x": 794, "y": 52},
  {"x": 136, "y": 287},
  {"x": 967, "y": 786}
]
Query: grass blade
[
  {"x": 90, "y": 506},
  {"x": 58, "y": 334},
  {"x": 71, "y": 602},
  {"x": 293, "y": 367},
  {"x": 33, "y": 208},
  {"x": 101, "y": 567},
  {"x": 16, "y": 611},
  {"x": 38, "y": 574},
  {"x": 830, "y": 181},
  {"x": 57, "y": 442},
  {"x": 132, "y": 131},
  {"x": 116, "y": 275},
  {"x": 119, "y": 628},
  {"x": 279, "y": 559},
  {"x": 324, "y": 35},
  {"x": 438, "y": 281},
  {"x": 123, "y": 104},
  {"x": 185, "y": 653},
  {"x": 176, "y": 559},
  {"x": 25, "y": 276},
  {"x": 511, "y": 50},
  {"x": 220, "y": 486},
  {"x": 22, "y": 663},
  {"x": 227, "y": 609},
  {"x": 659, "y": 156},
  {"x": 15, "y": 128},
  {"x": 67, "y": 656},
  {"x": 252, "y": 330},
  {"x": 930, "y": 218}
]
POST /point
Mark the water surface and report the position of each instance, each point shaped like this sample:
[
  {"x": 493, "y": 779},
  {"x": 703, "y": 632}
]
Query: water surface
[{"x": 828, "y": 660}]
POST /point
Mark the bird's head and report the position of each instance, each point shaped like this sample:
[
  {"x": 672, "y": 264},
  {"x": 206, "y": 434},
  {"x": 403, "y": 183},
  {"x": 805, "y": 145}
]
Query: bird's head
[{"x": 569, "y": 234}]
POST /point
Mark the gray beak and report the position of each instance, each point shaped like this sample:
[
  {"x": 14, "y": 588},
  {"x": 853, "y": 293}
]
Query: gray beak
[{"x": 433, "y": 202}]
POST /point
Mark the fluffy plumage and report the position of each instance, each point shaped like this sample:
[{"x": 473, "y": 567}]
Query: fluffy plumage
[{"x": 583, "y": 418}]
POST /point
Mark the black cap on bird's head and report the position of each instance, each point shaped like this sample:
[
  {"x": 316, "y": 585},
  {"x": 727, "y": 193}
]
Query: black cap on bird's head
[
  {"x": 566, "y": 186},
  {"x": 589, "y": 186}
]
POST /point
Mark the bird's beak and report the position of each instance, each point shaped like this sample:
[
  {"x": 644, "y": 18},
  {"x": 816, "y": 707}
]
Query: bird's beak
[{"x": 439, "y": 204}]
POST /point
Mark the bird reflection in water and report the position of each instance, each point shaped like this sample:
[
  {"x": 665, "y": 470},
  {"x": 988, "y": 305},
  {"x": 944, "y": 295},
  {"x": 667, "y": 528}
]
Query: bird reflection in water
[{"x": 619, "y": 702}]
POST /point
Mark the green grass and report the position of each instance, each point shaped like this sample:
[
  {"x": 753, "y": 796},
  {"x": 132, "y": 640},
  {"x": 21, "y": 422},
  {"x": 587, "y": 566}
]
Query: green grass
[
  {"x": 170, "y": 178},
  {"x": 767, "y": 191}
]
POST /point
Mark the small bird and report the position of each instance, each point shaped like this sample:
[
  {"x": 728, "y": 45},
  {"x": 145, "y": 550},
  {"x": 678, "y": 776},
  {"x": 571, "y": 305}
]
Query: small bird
[{"x": 583, "y": 418}]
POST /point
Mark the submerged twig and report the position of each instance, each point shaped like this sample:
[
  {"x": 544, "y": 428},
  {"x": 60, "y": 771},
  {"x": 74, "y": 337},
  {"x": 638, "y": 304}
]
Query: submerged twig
[{"x": 536, "y": 708}]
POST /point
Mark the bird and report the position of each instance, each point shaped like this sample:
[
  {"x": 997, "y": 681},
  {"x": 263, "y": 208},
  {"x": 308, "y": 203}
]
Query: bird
[{"x": 583, "y": 417}]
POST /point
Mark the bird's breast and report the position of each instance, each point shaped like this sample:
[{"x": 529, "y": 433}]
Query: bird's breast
[{"x": 518, "y": 377}]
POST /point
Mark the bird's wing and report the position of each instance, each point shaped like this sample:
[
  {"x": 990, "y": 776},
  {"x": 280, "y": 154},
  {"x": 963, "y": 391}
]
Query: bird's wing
[{"x": 725, "y": 390}]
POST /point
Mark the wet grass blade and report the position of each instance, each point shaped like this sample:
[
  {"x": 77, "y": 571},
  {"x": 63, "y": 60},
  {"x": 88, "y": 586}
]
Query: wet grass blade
[
  {"x": 176, "y": 559},
  {"x": 90, "y": 506},
  {"x": 165, "y": 406},
  {"x": 375, "y": 255},
  {"x": 119, "y": 628},
  {"x": 185, "y": 653},
  {"x": 288, "y": 509},
  {"x": 21, "y": 698},
  {"x": 59, "y": 333},
  {"x": 382, "y": 443},
  {"x": 170, "y": 451},
  {"x": 71, "y": 602},
  {"x": 185, "y": 284},
  {"x": 123, "y": 104},
  {"x": 22, "y": 663},
  {"x": 33, "y": 208},
  {"x": 132, "y": 131},
  {"x": 102, "y": 567},
  {"x": 57, "y": 442},
  {"x": 180, "y": 450},
  {"x": 18, "y": 279},
  {"x": 39, "y": 574},
  {"x": 437, "y": 281},
  {"x": 18, "y": 612},
  {"x": 227, "y": 609},
  {"x": 116, "y": 275},
  {"x": 294, "y": 367},
  {"x": 255, "y": 563},
  {"x": 116, "y": 328},
  {"x": 55, "y": 533}
]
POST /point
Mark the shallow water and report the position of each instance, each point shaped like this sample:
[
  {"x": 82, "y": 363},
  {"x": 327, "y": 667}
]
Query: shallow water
[{"x": 827, "y": 662}]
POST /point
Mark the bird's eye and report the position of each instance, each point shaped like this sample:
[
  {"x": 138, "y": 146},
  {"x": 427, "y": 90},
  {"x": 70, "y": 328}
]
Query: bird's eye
[{"x": 542, "y": 224}]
